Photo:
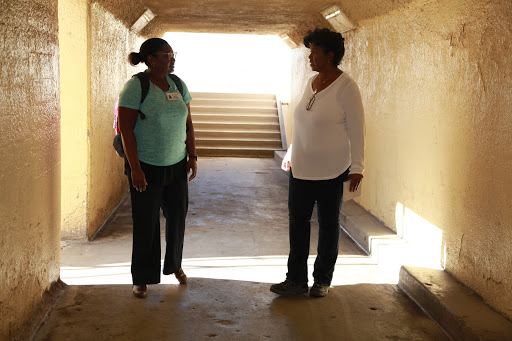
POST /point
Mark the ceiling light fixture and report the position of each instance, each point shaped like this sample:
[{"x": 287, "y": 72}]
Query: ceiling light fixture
[
  {"x": 144, "y": 19},
  {"x": 337, "y": 19},
  {"x": 285, "y": 39},
  {"x": 332, "y": 15}
]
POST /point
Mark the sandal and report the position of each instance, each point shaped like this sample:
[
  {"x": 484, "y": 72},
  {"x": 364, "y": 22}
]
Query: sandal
[
  {"x": 181, "y": 277},
  {"x": 140, "y": 291}
]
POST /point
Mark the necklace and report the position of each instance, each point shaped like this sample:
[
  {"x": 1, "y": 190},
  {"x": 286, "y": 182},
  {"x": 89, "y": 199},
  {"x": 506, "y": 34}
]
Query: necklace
[
  {"x": 323, "y": 82},
  {"x": 313, "y": 98}
]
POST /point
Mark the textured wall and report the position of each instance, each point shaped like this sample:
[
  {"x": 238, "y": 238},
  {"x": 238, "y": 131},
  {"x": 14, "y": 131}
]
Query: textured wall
[
  {"x": 435, "y": 77},
  {"x": 95, "y": 41},
  {"x": 111, "y": 41},
  {"x": 30, "y": 154},
  {"x": 75, "y": 95}
]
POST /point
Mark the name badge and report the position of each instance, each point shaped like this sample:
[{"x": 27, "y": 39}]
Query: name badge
[{"x": 173, "y": 96}]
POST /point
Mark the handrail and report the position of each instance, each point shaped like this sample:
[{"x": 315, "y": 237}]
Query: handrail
[{"x": 284, "y": 145}]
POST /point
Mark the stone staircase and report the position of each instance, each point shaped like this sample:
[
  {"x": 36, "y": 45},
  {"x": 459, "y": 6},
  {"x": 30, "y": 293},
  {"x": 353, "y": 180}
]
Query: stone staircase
[{"x": 238, "y": 125}]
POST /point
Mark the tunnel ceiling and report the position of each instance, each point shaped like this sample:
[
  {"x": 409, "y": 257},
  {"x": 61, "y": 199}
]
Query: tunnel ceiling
[{"x": 258, "y": 16}]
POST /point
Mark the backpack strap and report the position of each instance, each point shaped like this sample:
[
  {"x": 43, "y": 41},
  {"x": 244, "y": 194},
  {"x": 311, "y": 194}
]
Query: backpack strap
[
  {"x": 178, "y": 83},
  {"x": 144, "y": 84}
]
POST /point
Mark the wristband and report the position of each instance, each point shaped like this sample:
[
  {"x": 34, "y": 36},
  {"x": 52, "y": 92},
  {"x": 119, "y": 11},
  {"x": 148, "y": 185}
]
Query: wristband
[{"x": 192, "y": 157}]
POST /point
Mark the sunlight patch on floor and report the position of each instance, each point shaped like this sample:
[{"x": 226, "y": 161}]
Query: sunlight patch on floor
[{"x": 262, "y": 269}]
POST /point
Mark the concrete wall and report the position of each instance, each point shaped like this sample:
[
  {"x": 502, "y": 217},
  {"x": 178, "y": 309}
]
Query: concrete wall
[
  {"x": 30, "y": 167},
  {"x": 112, "y": 41},
  {"x": 435, "y": 78},
  {"x": 75, "y": 105},
  {"x": 95, "y": 42}
]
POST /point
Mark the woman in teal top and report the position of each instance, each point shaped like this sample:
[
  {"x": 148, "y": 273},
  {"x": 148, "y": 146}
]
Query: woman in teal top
[{"x": 157, "y": 136}]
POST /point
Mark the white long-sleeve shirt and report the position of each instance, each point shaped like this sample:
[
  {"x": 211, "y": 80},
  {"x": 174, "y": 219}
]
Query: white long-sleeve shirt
[{"x": 330, "y": 137}]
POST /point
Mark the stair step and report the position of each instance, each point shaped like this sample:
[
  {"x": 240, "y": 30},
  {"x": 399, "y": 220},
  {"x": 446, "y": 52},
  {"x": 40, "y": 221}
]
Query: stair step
[
  {"x": 233, "y": 110},
  {"x": 236, "y": 102},
  {"x": 199, "y": 118},
  {"x": 237, "y": 134},
  {"x": 236, "y": 152},
  {"x": 461, "y": 313},
  {"x": 237, "y": 96},
  {"x": 236, "y": 126},
  {"x": 239, "y": 143},
  {"x": 366, "y": 230}
]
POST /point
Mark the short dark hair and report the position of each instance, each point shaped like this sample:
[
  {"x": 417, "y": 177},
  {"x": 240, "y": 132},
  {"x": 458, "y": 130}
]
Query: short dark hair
[
  {"x": 329, "y": 41},
  {"x": 149, "y": 47}
]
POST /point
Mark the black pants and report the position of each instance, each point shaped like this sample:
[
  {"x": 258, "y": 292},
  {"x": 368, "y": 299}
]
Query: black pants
[
  {"x": 167, "y": 189},
  {"x": 302, "y": 196}
]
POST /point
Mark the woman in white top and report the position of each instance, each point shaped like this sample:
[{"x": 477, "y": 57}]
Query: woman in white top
[{"x": 327, "y": 149}]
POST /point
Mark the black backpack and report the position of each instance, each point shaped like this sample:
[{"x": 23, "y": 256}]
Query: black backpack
[{"x": 144, "y": 83}]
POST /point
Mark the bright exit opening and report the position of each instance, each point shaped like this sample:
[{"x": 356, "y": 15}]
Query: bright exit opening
[{"x": 232, "y": 63}]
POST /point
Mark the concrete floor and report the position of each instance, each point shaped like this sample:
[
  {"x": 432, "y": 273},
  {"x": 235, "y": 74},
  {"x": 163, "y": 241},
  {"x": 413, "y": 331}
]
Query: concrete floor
[{"x": 236, "y": 243}]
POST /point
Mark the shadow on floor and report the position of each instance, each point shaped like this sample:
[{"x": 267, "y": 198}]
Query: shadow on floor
[{"x": 236, "y": 310}]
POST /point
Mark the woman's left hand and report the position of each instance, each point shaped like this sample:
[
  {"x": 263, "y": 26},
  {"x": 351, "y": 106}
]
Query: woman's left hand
[
  {"x": 192, "y": 166},
  {"x": 355, "y": 181}
]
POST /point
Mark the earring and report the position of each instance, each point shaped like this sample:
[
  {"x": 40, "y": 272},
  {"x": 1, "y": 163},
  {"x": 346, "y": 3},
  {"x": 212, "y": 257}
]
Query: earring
[{"x": 153, "y": 65}]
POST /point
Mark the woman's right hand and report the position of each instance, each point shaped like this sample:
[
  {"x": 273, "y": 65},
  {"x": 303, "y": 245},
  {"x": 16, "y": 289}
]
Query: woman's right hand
[
  {"x": 127, "y": 120},
  {"x": 139, "y": 180},
  {"x": 285, "y": 165}
]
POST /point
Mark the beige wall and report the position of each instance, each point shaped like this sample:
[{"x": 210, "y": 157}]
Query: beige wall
[
  {"x": 75, "y": 98},
  {"x": 30, "y": 167},
  {"x": 111, "y": 43},
  {"x": 95, "y": 41},
  {"x": 436, "y": 80}
]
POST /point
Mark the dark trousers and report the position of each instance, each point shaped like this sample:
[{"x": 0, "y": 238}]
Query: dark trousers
[
  {"x": 302, "y": 196},
  {"x": 167, "y": 189}
]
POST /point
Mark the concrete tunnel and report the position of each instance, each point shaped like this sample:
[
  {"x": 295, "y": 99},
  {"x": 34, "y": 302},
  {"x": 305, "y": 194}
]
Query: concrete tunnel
[{"x": 436, "y": 80}]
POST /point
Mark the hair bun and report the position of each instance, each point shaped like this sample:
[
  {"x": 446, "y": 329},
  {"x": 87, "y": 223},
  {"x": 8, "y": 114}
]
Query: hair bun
[{"x": 134, "y": 58}]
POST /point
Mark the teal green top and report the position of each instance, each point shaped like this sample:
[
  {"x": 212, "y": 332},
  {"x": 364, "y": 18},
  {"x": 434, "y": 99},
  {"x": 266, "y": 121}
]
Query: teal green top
[{"x": 161, "y": 135}]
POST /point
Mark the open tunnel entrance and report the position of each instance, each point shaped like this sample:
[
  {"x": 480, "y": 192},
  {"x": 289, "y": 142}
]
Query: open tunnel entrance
[
  {"x": 240, "y": 85},
  {"x": 232, "y": 63}
]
